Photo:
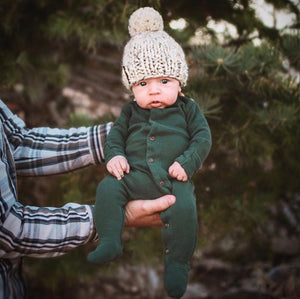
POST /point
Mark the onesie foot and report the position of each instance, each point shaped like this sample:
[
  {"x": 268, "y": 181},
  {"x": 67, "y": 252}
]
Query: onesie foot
[
  {"x": 176, "y": 278},
  {"x": 105, "y": 253}
]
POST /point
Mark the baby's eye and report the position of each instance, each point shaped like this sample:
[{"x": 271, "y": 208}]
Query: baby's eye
[
  {"x": 143, "y": 83},
  {"x": 164, "y": 81}
]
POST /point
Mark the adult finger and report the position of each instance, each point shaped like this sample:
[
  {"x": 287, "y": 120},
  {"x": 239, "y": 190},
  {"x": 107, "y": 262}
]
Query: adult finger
[{"x": 158, "y": 205}]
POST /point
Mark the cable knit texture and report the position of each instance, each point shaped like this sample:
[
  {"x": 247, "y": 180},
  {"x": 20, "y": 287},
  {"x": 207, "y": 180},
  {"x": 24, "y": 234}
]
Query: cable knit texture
[{"x": 151, "y": 52}]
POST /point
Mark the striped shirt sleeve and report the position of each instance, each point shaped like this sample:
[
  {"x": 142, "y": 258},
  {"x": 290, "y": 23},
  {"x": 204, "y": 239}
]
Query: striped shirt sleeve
[
  {"x": 45, "y": 231},
  {"x": 41, "y": 231},
  {"x": 48, "y": 151}
]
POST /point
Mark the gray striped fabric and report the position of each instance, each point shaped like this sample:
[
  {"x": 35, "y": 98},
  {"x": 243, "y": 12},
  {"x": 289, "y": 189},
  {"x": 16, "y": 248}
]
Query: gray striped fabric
[{"x": 41, "y": 231}]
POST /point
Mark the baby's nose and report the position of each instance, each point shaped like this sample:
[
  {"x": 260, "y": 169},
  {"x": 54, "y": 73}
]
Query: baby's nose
[{"x": 154, "y": 88}]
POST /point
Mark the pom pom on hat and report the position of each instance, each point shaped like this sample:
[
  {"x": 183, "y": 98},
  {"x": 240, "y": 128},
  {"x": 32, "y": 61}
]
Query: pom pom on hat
[
  {"x": 145, "y": 19},
  {"x": 151, "y": 52}
]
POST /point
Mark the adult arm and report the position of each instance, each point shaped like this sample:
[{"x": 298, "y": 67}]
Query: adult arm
[
  {"x": 49, "y": 232},
  {"x": 47, "y": 151},
  {"x": 45, "y": 231}
]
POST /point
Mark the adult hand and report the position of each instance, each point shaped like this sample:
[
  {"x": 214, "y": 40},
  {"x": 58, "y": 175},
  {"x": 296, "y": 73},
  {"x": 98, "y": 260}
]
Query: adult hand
[{"x": 146, "y": 212}]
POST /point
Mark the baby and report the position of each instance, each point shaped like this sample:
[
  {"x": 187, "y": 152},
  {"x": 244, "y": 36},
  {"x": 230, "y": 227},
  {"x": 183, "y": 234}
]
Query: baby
[{"x": 159, "y": 141}]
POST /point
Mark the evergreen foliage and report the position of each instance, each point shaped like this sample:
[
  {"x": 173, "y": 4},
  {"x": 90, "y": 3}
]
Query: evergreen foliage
[
  {"x": 255, "y": 138},
  {"x": 250, "y": 94}
]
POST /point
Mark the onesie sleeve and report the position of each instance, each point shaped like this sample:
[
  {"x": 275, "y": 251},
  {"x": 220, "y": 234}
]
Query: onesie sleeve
[
  {"x": 200, "y": 139},
  {"x": 116, "y": 139}
]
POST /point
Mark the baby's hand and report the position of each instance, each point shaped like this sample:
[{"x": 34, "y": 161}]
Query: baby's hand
[
  {"x": 117, "y": 166},
  {"x": 176, "y": 171}
]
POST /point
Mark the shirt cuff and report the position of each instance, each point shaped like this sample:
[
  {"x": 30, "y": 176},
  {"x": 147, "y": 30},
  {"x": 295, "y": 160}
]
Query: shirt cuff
[
  {"x": 93, "y": 235},
  {"x": 97, "y": 137}
]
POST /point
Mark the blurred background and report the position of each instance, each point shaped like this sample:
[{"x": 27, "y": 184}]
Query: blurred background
[{"x": 60, "y": 67}]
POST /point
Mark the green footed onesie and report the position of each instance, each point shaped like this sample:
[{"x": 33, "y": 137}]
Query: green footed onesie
[{"x": 152, "y": 140}]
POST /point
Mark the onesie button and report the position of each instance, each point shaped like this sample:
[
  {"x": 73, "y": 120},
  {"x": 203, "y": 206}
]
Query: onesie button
[
  {"x": 152, "y": 138},
  {"x": 166, "y": 225},
  {"x": 151, "y": 160},
  {"x": 162, "y": 183},
  {"x": 167, "y": 251}
]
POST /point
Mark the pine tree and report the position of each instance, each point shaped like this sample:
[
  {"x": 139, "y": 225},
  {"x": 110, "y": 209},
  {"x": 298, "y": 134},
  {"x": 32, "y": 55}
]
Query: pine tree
[
  {"x": 255, "y": 129},
  {"x": 249, "y": 93}
]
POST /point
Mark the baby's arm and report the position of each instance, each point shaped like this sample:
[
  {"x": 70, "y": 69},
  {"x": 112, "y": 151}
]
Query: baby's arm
[
  {"x": 117, "y": 166},
  {"x": 177, "y": 171},
  {"x": 200, "y": 139}
]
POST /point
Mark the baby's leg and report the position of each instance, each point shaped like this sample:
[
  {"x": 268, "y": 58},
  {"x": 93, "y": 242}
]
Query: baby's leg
[
  {"x": 179, "y": 237},
  {"x": 109, "y": 219}
]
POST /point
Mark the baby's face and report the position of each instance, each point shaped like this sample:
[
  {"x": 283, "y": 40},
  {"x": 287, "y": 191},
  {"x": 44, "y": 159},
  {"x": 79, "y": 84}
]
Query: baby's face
[{"x": 156, "y": 92}]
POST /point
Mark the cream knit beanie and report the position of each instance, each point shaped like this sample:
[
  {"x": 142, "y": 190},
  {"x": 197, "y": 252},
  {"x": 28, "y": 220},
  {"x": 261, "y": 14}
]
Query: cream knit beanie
[{"x": 151, "y": 52}]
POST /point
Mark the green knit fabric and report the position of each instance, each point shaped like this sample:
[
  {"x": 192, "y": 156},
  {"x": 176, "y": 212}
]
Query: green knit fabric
[
  {"x": 152, "y": 140},
  {"x": 180, "y": 133}
]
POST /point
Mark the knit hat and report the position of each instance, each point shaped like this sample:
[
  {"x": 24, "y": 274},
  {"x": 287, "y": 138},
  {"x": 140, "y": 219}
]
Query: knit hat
[{"x": 151, "y": 52}]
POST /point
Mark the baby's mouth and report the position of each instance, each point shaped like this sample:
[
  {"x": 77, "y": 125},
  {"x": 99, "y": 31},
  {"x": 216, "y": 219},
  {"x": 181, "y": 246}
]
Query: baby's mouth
[{"x": 155, "y": 104}]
